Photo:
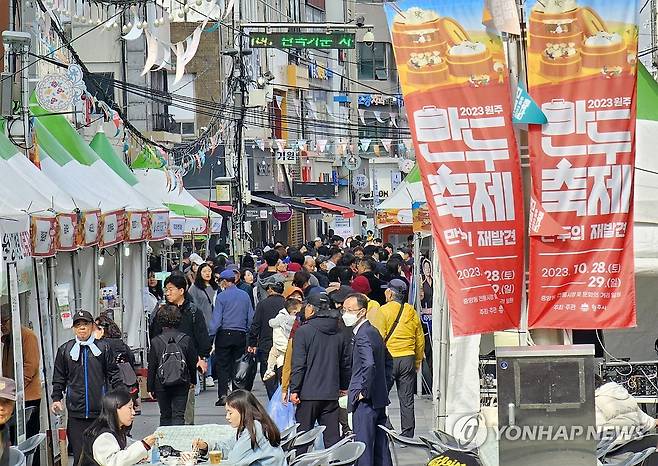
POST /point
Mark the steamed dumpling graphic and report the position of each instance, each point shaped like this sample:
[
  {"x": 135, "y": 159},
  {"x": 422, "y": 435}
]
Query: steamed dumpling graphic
[
  {"x": 468, "y": 48},
  {"x": 416, "y": 15},
  {"x": 553, "y": 7},
  {"x": 603, "y": 39}
]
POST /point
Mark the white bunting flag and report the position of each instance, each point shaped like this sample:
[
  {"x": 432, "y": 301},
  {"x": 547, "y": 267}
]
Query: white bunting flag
[
  {"x": 364, "y": 144},
  {"x": 312, "y": 110},
  {"x": 281, "y": 144},
  {"x": 394, "y": 121},
  {"x": 378, "y": 116},
  {"x": 387, "y": 144},
  {"x": 362, "y": 116},
  {"x": 279, "y": 100},
  {"x": 301, "y": 144},
  {"x": 321, "y": 145},
  {"x": 298, "y": 107},
  {"x": 261, "y": 144}
]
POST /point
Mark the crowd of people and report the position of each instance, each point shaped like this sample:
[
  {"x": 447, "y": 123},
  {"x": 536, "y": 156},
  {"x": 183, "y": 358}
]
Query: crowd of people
[
  {"x": 301, "y": 312},
  {"x": 324, "y": 320}
]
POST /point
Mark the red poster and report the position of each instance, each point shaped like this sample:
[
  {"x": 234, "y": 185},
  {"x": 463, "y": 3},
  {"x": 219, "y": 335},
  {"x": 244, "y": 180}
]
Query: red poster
[
  {"x": 454, "y": 79},
  {"x": 581, "y": 69}
]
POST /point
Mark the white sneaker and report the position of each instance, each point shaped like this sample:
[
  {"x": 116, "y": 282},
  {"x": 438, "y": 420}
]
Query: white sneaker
[
  {"x": 268, "y": 374},
  {"x": 210, "y": 382}
]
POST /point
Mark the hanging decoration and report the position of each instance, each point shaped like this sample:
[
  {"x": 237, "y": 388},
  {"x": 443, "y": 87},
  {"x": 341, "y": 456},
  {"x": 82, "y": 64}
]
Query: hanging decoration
[
  {"x": 134, "y": 29},
  {"x": 185, "y": 55},
  {"x": 321, "y": 145},
  {"x": 56, "y": 92},
  {"x": 387, "y": 144},
  {"x": 378, "y": 116},
  {"x": 281, "y": 144},
  {"x": 364, "y": 144},
  {"x": 362, "y": 116},
  {"x": 279, "y": 101}
]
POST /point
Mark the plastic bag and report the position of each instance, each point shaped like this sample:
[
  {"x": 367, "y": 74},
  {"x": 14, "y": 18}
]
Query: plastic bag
[
  {"x": 245, "y": 372},
  {"x": 283, "y": 415}
]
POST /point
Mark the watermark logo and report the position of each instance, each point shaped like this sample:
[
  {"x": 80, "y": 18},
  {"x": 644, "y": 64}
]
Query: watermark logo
[{"x": 472, "y": 432}]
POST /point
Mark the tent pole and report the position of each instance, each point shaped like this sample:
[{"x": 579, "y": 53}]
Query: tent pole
[
  {"x": 416, "y": 301},
  {"x": 45, "y": 337},
  {"x": 440, "y": 344}
]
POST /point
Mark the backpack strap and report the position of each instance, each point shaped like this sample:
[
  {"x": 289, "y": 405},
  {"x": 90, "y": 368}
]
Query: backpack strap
[{"x": 395, "y": 324}]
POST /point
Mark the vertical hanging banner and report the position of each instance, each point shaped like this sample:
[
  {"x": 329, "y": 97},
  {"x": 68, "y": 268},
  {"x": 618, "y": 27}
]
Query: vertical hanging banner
[
  {"x": 68, "y": 226},
  {"x": 43, "y": 230},
  {"x": 455, "y": 83},
  {"x": 159, "y": 225},
  {"x": 90, "y": 228},
  {"x": 112, "y": 228},
  {"x": 582, "y": 73},
  {"x": 137, "y": 226}
]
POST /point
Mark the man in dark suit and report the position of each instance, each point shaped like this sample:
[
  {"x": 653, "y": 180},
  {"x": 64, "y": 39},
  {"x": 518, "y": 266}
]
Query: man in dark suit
[{"x": 372, "y": 378}]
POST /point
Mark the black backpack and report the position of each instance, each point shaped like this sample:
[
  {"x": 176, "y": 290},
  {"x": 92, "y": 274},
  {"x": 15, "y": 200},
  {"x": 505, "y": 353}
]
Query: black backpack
[{"x": 172, "y": 368}]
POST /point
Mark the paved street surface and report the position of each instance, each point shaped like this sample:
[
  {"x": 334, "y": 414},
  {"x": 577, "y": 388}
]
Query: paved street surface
[{"x": 208, "y": 413}]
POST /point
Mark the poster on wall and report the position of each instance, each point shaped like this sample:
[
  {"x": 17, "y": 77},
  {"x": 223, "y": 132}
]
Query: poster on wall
[
  {"x": 454, "y": 79},
  {"x": 582, "y": 60}
]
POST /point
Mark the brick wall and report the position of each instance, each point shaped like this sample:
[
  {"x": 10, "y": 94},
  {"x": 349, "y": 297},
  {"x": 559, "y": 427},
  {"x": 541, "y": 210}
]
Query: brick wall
[{"x": 205, "y": 65}]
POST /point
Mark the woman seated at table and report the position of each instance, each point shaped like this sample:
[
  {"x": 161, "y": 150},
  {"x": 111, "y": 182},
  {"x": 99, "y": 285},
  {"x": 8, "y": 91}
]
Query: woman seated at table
[
  {"x": 105, "y": 440},
  {"x": 257, "y": 437}
]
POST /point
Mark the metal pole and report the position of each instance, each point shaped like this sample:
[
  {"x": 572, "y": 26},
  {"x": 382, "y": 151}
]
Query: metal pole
[
  {"x": 416, "y": 301},
  {"x": 17, "y": 347},
  {"x": 440, "y": 344}
]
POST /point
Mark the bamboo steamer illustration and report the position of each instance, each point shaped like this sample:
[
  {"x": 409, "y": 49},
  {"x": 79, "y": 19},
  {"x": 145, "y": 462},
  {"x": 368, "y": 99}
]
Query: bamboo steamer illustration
[
  {"x": 419, "y": 45},
  {"x": 465, "y": 57},
  {"x": 601, "y": 48},
  {"x": 432, "y": 124},
  {"x": 553, "y": 21},
  {"x": 416, "y": 31},
  {"x": 560, "y": 115},
  {"x": 560, "y": 60}
]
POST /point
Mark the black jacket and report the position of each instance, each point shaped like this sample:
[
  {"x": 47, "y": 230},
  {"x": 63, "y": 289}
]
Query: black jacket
[
  {"x": 193, "y": 325},
  {"x": 260, "y": 333},
  {"x": 84, "y": 381},
  {"x": 323, "y": 278},
  {"x": 376, "y": 290},
  {"x": 320, "y": 360},
  {"x": 158, "y": 347},
  {"x": 120, "y": 350}
]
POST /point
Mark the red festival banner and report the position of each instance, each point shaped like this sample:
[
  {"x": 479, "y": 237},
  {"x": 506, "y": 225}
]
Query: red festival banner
[
  {"x": 455, "y": 83},
  {"x": 582, "y": 73}
]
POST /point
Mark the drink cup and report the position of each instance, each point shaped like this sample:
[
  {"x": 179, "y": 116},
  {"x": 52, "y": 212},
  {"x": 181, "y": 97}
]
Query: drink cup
[{"x": 215, "y": 456}]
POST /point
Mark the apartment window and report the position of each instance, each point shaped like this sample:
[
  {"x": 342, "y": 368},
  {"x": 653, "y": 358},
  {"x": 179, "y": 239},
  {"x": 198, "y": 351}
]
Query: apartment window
[
  {"x": 374, "y": 60},
  {"x": 185, "y": 117},
  {"x": 315, "y": 15}
]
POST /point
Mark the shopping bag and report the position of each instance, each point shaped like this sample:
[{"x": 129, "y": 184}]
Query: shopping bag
[
  {"x": 245, "y": 372},
  {"x": 282, "y": 414}
]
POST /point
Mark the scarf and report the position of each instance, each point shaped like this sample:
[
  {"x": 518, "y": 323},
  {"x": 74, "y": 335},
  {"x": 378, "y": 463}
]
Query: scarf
[{"x": 75, "y": 351}]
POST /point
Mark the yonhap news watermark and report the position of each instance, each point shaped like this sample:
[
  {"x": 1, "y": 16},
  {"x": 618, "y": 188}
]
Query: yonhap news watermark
[{"x": 471, "y": 432}]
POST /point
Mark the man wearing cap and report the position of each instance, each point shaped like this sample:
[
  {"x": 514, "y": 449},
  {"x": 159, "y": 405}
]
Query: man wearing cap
[
  {"x": 320, "y": 368},
  {"x": 84, "y": 370},
  {"x": 31, "y": 362},
  {"x": 231, "y": 320},
  {"x": 400, "y": 327},
  {"x": 7, "y": 405},
  {"x": 260, "y": 333}
]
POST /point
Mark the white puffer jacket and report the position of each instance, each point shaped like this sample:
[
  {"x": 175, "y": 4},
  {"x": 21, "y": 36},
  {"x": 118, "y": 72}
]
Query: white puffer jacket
[{"x": 615, "y": 407}]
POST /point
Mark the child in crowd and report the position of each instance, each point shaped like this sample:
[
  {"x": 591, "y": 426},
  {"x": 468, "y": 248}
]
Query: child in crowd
[{"x": 281, "y": 327}]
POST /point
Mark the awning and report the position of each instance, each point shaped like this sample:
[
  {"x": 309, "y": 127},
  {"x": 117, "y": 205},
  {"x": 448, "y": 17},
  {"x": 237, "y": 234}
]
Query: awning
[
  {"x": 344, "y": 211},
  {"x": 278, "y": 201},
  {"x": 216, "y": 207},
  {"x": 358, "y": 209}
]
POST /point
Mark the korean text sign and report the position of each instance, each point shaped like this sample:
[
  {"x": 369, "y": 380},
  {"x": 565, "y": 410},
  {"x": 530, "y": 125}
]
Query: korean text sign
[
  {"x": 582, "y": 73},
  {"x": 456, "y": 90}
]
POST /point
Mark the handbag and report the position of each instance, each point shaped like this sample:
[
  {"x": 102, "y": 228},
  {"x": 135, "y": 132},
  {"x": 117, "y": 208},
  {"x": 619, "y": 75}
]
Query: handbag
[
  {"x": 127, "y": 373},
  {"x": 245, "y": 371}
]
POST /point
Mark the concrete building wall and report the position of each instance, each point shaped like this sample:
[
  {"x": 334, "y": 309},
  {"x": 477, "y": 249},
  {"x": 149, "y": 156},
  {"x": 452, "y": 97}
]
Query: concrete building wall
[{"x": 205, "y": 66}]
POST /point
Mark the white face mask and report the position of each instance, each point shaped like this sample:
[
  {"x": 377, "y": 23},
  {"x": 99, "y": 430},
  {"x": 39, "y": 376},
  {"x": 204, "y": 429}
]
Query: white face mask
[{"x": 350, "y": 319}]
